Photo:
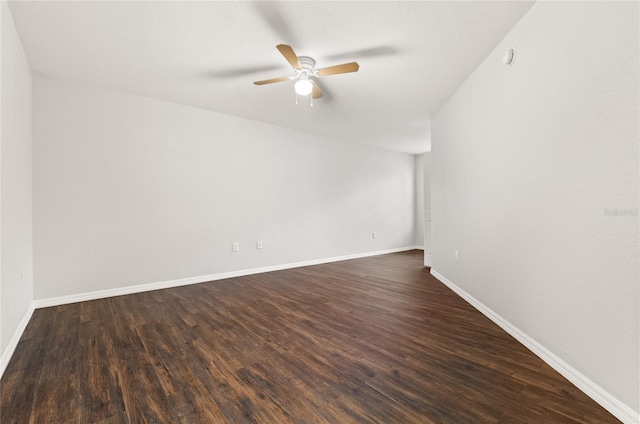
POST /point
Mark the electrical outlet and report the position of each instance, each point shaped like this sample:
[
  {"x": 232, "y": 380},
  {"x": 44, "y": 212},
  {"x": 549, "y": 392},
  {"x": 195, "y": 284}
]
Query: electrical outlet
[
  {"x": 373, "y": 235},
  {"x": 259, "y": 244},
  {"x": 235, "y": 246},
  {"x": 456, "y": 255}
]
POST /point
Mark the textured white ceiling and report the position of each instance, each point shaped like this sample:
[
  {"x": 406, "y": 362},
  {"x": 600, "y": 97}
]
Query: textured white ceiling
[{"x": 412, "y": 56}]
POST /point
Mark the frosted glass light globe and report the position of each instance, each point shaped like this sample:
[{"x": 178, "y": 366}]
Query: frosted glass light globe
[{"x": 303, "y": 86}]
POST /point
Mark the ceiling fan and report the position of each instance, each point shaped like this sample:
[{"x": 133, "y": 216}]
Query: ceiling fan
[{"x": 306, "y": 72}]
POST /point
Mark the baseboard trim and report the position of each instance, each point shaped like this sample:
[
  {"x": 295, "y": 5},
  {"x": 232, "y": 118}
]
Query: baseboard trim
[
  {"x": 13, "y": 343},
  {"x": 120, "y": 291},
  {"x": 591, "y": 389}
]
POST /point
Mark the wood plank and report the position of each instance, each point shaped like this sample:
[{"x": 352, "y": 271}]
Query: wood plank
[
  {"x": 21, "y": 379},
  {"x": 58, "y": 397}
]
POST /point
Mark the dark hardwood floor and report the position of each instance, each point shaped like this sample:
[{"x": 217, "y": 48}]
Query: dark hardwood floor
[{"x": 374, "y": 340}]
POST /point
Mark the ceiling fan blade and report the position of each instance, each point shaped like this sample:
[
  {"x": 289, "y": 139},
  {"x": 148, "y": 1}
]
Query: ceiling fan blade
[
  {"x": 240, "y": 71},
  {"x": 316, "y": 93},
  {"x": 338, "y": 69},
  {"x": 370, "y": 52},
  {"x": 272, "y": 80},
  {"x": 290, "y": 55},
  {"x": 273, "y": 15}
]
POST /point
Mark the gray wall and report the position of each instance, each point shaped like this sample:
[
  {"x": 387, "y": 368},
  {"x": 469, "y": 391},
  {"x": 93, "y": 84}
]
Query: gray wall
[
  {"x": 16, "y": 288},
  {"x": 535, "y": 182},
  {"x": 420, "y": 192},
  {"x": 130, "y": 190}
]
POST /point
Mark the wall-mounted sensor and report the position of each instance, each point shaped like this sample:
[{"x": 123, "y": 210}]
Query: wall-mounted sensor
[{"x": 509, "y": 57}]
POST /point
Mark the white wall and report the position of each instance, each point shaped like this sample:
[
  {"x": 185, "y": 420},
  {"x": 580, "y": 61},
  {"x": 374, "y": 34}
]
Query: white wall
[
  {"x": 15, "y": 176},
  {"x": 419, "y": 200},
  {"x": 428, "y": 244},
  {"x": 526, "y": 162},
  {"x": 130, "y": 190}
]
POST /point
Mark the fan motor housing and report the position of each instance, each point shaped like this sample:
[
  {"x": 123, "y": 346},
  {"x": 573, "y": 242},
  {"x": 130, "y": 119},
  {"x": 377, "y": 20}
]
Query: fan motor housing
[{"x": 308, "y": 66}]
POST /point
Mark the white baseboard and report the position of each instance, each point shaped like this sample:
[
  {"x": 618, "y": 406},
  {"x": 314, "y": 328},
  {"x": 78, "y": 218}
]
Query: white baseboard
[
  {"x": 13, "y": 343},
  {"x": 81, "y": 297},
  {"x": 418, "y": 247},
  {"x": 591, "y": 389}
]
